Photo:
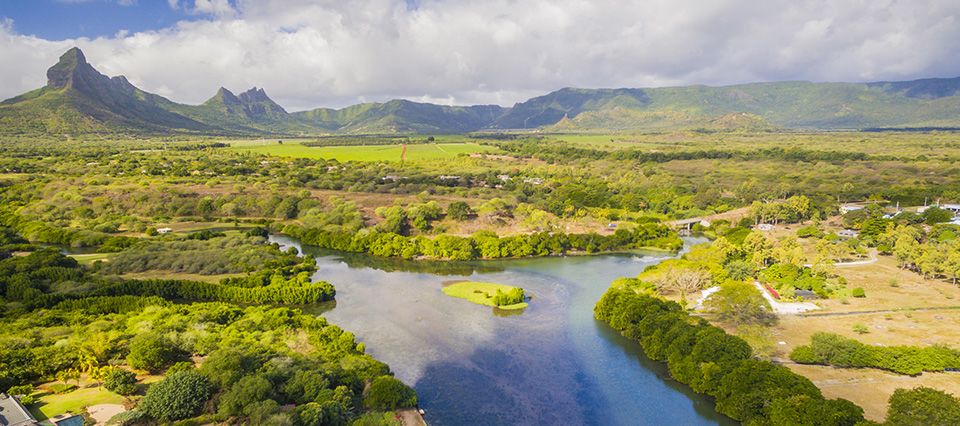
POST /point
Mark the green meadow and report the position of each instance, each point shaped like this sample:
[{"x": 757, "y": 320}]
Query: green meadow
[{"x": 361, "y": 152}]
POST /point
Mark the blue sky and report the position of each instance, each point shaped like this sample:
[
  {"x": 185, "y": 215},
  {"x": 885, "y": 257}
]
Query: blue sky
[{"x": 66, "y": 19}]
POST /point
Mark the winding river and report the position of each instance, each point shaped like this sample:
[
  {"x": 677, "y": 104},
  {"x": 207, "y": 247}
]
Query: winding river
[{"x": 552, "y": 364}]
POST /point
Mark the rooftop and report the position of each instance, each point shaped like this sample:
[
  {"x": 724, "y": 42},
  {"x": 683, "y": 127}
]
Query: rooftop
[{"x": 12, "y": 413}]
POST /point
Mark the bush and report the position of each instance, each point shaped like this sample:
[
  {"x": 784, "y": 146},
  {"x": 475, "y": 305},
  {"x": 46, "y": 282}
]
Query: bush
[
  {"x": 835, "y": 350},
  {"x": 126, "y": 418},
  {"x": 858, "y": 292},
  {"x": 176, "y": 397},
  {"x": 388, "y": 393},
  {"x": 61, "y": 388},
  {"x": 809, "y": 231},
  {"x": 923, "y": 406},
  {"x": 151, "y": 353},
  {"x": 120, "y": 381}
]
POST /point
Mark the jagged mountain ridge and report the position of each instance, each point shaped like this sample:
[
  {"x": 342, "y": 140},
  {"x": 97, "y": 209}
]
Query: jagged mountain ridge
[{"x": 78, "y": 99}]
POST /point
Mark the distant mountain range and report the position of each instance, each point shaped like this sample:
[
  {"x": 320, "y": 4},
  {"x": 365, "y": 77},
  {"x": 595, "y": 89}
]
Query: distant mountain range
[{"x": 78, "y": 99}]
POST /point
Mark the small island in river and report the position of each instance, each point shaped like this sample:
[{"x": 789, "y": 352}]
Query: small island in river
[{"x": 489, "y": 294}]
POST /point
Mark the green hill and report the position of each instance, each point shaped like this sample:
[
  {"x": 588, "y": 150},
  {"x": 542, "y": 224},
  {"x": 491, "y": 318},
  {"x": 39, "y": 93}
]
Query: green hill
[
  {"x": 796, "y": 105},
  {"x": 402, "y": 116},
  {"x": 77, "y": 99}
]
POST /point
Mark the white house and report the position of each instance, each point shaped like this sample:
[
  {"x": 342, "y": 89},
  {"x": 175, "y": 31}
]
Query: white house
[
  {"x": 848, "y": 233},
  {"x": 164, "y": 230},
  {"x": 850, "y": 207}
]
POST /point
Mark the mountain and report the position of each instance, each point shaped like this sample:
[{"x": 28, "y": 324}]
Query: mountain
[
  {"x": 250, "y": 112},
  {"x": 77, "y": 99},
  {"x": 402, "y": 116},
  {"x": 793, "y": 105}
]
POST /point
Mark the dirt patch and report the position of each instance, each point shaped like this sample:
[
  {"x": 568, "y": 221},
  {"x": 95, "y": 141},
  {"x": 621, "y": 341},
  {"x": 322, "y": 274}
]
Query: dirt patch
[
  {"x": 869, "y": 388},
  {"x": 411, "y": 417},
  {"x": 103, "y": 412}
]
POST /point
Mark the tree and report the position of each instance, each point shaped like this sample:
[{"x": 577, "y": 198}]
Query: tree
[
  {"x": 740, "y": 303},
  {"x": 757, "y": 248},
  {"x": 246, "y": 391},
  {"x": 388, "y": 393},
  {"x": 179, "y": 396},
  {"x": 682, "y": 280},
  {"x": 120, "y": 381},
  {"x": 459, "y": 210},
  {"x": 935, "y": 215},
  {"x": 923, "y": 406},
  {"x": 151, "y": 353}
]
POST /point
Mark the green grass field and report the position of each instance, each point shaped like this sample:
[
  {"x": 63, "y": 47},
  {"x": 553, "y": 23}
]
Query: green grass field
[
  {"x": 88, "y": 259},
  {"x": 361, "y": 152},
  {"x": 75, "y": 402},
  {"x": 480, "y": 293}
]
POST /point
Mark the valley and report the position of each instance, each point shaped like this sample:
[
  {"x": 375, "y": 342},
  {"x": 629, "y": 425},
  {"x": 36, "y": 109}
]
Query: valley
[{"x": 590, "y": 256}]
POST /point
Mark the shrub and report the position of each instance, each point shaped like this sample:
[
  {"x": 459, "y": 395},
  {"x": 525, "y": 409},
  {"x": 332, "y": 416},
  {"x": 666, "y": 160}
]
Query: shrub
[
  {"x": 923, "y": 406},
  {"x": 120, "y": 381},
  {"x": 176, "y": 397},
  {"x": 388, "y": 393},
  {"x": 858, "y": 292},
  {"x": 126, "y": 418},
  {"x": 179, "y": 367},
  {"x": 61, "y": 388},
  {"x": 151, "y": 353}
]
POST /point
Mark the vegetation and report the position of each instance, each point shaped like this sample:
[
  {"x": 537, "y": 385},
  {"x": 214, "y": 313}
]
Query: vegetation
[
  {"x": 715, "y": 363},
  {"x": 489, "y": 294},
  {"x": 922, "y": 406},
  {"x": 831, "y": 349}
]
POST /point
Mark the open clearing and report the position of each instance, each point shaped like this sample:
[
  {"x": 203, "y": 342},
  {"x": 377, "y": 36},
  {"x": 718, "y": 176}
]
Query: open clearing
[
  {"x": 913, "y": 311},
  {"x": 480, "y": 293},
  {"x": 364, "y": 152},
  {"x": 75, "y": 402}
]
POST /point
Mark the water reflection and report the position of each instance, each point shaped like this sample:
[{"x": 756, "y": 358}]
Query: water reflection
[{"x": 553, "y": 364}]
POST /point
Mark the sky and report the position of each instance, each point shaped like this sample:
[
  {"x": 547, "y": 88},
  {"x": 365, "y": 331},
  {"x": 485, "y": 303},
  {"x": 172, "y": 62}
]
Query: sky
[{"x": 333, "y": 53}]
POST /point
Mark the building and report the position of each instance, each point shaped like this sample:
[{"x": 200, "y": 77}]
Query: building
[
  {"x": 848, "y": 233},
  {"x": 850, "y": 207},
  {"x": 955, "y": 208},
  {"x": 164, "y": 230},
  {"x": 12, "y": 413}
]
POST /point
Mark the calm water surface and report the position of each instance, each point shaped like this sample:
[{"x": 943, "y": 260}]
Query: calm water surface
[{"x": 552, "y": 364}]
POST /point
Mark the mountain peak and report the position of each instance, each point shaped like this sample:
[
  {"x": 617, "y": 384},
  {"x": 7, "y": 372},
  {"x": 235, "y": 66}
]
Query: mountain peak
[
  {"x": 254, "y": 95},
  {"x": 71, "y": 63}
]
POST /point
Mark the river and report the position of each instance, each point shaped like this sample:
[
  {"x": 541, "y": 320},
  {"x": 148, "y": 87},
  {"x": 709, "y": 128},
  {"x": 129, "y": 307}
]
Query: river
[{"x": 552, "y": 364}]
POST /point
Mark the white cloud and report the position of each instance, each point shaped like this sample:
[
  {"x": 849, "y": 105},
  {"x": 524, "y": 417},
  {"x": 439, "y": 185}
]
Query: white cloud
[{"x": 330, "y": 53}]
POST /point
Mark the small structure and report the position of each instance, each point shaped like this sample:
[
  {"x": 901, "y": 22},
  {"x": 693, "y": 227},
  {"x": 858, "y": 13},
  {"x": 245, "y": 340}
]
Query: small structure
[
  {"x": 955, "y": 208},
  {"x": 764, "y": 227},
  {"x": 533, "y": 181},
  {"x": 164, "y": 230},
  {"x": 848, "y": 233},
  {"x": 67, "y": 419},
  {"x": 850, "y": 207},
  {"x": 13, "y": 413},
  {"x": 611, "y": 225}
]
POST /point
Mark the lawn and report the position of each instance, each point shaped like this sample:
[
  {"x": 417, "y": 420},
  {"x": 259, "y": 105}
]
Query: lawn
[
  {"x": 88, "y": 259},
  {"x": 480, "y": 293},
  {"x": 49, "y": 405},
  {"x": 365, "y": 152}
]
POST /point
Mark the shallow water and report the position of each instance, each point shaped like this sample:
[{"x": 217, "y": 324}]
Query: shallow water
[{"x": 551, "y": 364}]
